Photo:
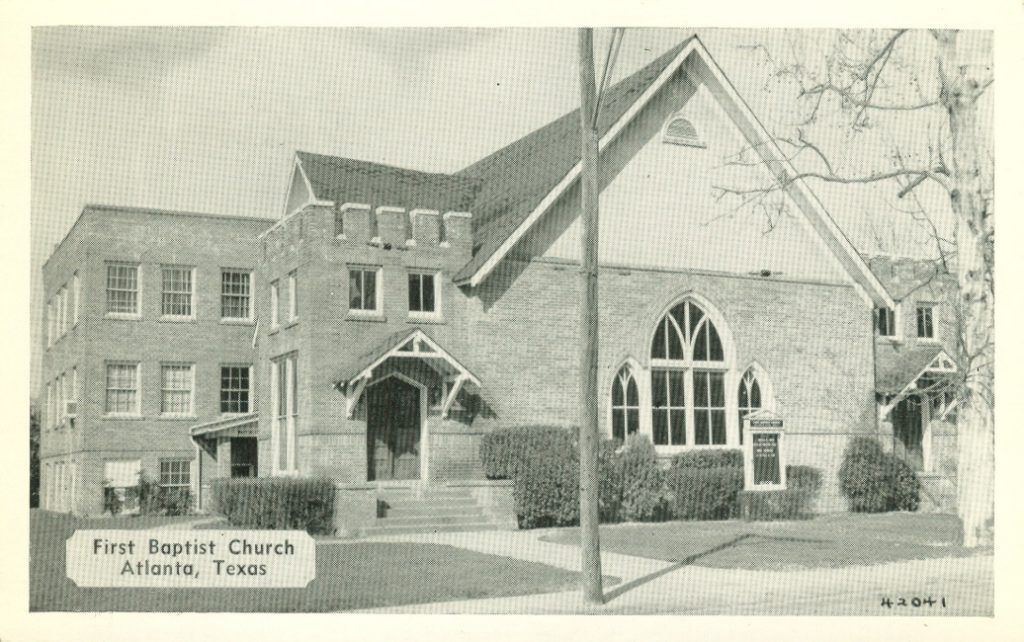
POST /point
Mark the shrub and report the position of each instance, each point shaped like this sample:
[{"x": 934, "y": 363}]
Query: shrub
[
  {"x": 277, "y": 503},
  {"x": 704, "y": 493},
  {"x": 155, "y": 499},
  {"x": 804, "y": 478},
  {"x": 546, "y": 490},
  {"x": 504, "y": 450},
  {"x": 643, "y": 481},
  {"x": 710, "y": 458},
  {"x": 875, "y": 481}
]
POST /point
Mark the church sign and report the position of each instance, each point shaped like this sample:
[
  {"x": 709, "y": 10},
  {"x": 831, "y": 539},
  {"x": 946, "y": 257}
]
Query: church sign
[{"x": 764, "y": 467}]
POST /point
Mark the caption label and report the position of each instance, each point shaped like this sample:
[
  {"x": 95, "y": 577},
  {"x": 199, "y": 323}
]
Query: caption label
[{"x": 167, "y": 558}]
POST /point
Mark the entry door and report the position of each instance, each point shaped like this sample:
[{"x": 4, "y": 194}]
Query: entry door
[
  {"x": 393, "y": 430},
  {"x": 908, "y": 427},
  {"x": 243, "y": 457}
]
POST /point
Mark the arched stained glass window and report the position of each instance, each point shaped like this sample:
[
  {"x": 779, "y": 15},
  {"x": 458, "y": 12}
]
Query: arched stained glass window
[
  {"x": 625, "y": 404},
  {"x": 749, "y": 397},
  {"x": 687, "y": 355}
]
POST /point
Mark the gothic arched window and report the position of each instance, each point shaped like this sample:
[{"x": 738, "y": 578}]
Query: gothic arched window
[
  {"x": 625, "y": 404},
  {"x": 688, "y": 369},
  {"x": 749, "y": 397}
]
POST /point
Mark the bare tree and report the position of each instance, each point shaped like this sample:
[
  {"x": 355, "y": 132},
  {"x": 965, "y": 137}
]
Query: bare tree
[{"x": 920, "y": 92}]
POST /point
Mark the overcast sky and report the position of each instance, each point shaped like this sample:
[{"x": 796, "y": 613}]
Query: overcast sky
[{"x": 208, "y": 119}]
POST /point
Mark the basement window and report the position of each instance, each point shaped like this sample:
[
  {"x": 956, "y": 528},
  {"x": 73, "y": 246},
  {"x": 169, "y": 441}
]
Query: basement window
[{"x": 680, "y": 131}]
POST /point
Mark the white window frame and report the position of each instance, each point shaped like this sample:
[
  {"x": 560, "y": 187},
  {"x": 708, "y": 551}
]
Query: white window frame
[
  {"x": 191, "y": 293},
  {"x": 286, "y": 430},
  {"x": 249, "y": 390},
  {"x": 49, "y": 322},
  {"x": 436, "y": 313},
  {"x": 932, "y": 314},
  {"x": 137, "y": 411},
  {"x": 62, "y": 311},
  {"x": 249, "y": 296},
  {"x": 137, "y": 314},
  {"x": 76, "y": 291},
  {"x": 631, "y": 369},
  {"x": 293, "y": 296},
  {"x": 895, "y": 333},
  {"x": 275, "y": 302},
  {"x": 190, "y": 412},
  {"x": 175, "y": 460},
  {"x": 376, "y": 311},
  {"x": 688, "y": 365}
]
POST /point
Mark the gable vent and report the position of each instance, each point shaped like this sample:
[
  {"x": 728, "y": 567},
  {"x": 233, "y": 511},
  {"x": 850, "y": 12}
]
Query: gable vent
[{"x": 680, "y": 131}]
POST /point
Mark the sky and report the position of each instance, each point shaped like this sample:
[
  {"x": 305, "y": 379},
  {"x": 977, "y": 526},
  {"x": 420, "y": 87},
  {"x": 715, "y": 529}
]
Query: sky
[{"x": 208, "y": 119}]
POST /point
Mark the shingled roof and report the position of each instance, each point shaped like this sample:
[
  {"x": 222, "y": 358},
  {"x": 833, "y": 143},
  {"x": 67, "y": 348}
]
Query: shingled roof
[
  {"x": 896, "y": 366},
  {"x": 516, "y": 178},
  {"x": 342, "y": 180}
]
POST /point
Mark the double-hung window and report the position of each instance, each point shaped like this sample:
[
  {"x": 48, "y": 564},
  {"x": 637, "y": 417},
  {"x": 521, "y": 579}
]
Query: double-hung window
[
  {"x": 925, "y": 322},
  {"x": 122, "y": 288},
  {"x": 176, "y": 383},
  {"x": 885, "y": 322},
  {"x": 275, "y": 303},
  {"x": 293, "y": 296},
  {"x": 423, "y": 299},
  {"x": 76, "y": 291},
  {"x": 236, "y": 295},
  {"x": 234, "y": 389},
  {"x": 175, "y": 473},
  {"x": 363, "y": 289},
  {"x": 122, "y": 389},
  {"x": 176, "y": 293},
  {"x": 285, "y": 411}
]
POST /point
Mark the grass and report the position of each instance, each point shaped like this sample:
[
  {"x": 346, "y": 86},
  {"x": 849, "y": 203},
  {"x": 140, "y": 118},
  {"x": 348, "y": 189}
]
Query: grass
[
  {"x": 349, "y": 576},
  {"x": 827, "y": 541}
]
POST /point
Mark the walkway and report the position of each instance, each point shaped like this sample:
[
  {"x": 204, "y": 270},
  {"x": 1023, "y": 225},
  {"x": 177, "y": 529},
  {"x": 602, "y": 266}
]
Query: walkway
[{"x": 653, "y": 586}]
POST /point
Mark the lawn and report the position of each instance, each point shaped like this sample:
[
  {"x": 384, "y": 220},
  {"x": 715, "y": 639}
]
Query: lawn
[
  {"x": 827, "y": 541},
  {"x": 349, "y": 576}
]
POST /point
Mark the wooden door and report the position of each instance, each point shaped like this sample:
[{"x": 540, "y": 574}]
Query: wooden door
[
  {"x": 908, "y": 428},
  {"x": 393, "y": 430}
]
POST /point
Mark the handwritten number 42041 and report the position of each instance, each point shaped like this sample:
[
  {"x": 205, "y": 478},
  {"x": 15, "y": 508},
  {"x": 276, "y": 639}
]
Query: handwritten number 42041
[{"x": 915, "y": 602}]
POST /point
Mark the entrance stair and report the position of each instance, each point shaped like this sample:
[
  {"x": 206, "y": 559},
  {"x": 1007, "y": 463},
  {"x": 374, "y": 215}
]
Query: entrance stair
[{"x": 430, "y": 509}]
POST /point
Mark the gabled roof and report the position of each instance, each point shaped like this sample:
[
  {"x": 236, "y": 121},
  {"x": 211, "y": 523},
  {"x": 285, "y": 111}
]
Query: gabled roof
[
  {"x": 522, "y": 180},
  {"x": 414, "y": 342},
  {"x": 516, "y": 178},
  {"x": 339, "y": 180},
  {"x": 898, "y": 366}
]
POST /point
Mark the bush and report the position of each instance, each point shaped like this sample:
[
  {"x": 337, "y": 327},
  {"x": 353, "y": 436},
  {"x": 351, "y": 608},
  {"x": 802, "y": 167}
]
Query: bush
[
  {"x": 802, "y": 486},
  {"x": 875, "y": 481},
  {"x": 806, "y": 478},
  {"x": 710, "y": 458},
  {"x": 277, "y": 503},
  {"x": 643, "y": 496},
  {"x": 155, "y": 499},
  {"x": 704, "y": 493},
  {"x": 547, "y": 488},
  {"x": 504, "y": 450}
]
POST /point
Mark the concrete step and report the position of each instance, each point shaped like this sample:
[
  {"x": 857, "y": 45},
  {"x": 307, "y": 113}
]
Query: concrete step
[
  {"x": 431, "y": 520},
  {"x": 440, "y": 528},
  {"x": 407, "y": 510}
]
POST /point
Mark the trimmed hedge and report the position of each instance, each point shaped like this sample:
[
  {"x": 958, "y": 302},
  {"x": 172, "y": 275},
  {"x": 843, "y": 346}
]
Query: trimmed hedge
[
  {"x": 546, "y": 471},
  {"x": 710, "y": 458},
  {"x": 284, "y": 503},
  {"x": 802, "y": 486},
  {"x": 504, "y": 451},
  {"x": 704, "y": 493},
  {"x": 632, "y": 482},
  {"x": 875, "y": 481}
]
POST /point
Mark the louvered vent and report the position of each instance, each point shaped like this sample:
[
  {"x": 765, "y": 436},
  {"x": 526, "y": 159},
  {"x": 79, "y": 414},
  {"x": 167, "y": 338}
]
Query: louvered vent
[{"x": 680, "y": 131}]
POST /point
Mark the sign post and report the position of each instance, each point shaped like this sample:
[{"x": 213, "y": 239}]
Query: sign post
[{"x": 764, "y": 464}]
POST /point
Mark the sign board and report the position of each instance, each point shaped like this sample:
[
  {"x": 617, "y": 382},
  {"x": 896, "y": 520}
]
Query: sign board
[
  {"x": 764, "y": 465},
  {"x": 191, "y": 558}
]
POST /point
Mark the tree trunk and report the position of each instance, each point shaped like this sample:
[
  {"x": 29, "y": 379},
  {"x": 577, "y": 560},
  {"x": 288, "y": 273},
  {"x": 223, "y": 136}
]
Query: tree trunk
[{"x": 971, "y": 202}]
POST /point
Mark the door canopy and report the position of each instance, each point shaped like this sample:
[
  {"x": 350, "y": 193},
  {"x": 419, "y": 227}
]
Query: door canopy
[{"x": 408, "y": 344}]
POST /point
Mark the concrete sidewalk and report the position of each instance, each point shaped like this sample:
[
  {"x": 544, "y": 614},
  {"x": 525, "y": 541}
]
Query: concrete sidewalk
[{"x": 654, "y": 586}]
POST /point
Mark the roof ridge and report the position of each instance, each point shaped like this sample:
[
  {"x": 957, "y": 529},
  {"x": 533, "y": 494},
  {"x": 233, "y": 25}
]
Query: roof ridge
[
  {"x": 373, "y": 164},
  {"x": 159, "y": 210}
]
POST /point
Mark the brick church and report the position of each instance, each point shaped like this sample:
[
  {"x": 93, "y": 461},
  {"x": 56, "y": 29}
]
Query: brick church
[{"x": 391, "y": 317}]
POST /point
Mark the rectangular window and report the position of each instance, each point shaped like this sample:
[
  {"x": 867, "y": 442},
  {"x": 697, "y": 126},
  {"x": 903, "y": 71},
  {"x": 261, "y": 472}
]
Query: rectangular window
[
  {"x": 76, "y": 291},
  {"x": 925, "y": 328},
  {"x": 885, "y": 322},
  {"x": 61, "y": 397},
  {"x": 284, "y": 383},
  {"x": 176, "y": 295},
  {"x": 339, "y": 222},
  {"x": 422, "y": 295},
  {"x": 74, "y": 387},
  {"x": 122, "y": 288},
  {"x": 708, "y": 408},
  {"x": 62, "y": 312},
  {"x": 235, "y": 301},
  {"x": 234, "y": 389},
  {"x": 176, "y": 389},
  {"x": 293, "y": 296},
  {"x": 175, "y": 472},
  {"x": 362, "y": 289},
  {"x": 48, "y": 419},
  {"x": 122, "y": 388},
  {"x": 275, "y": 302},
  {"x": 668, "y": 401},
  {"x": 49, "y": 323}
]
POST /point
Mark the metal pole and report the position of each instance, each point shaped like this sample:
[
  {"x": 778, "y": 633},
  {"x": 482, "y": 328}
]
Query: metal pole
[{"x": 589, "y": 534}]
